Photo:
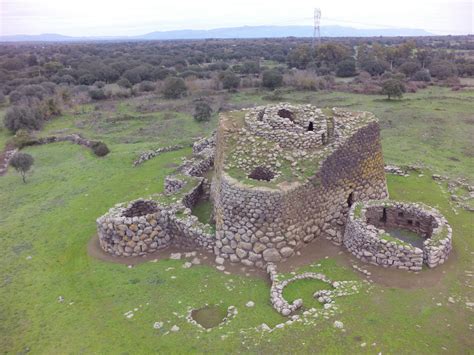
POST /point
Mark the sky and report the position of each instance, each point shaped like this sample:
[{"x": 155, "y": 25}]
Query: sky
[{"x": 121, "y": 17}]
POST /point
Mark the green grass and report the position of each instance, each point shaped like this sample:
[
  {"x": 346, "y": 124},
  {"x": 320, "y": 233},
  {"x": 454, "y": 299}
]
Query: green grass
[
  {"x": 203, "y": 211},
  {"x": 52, "y": 218}
]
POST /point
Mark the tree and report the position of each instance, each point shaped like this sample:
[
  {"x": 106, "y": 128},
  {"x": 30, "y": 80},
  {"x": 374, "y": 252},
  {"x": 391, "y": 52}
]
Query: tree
[
  {"x": 299, "y": 57},
  {"x": 372, "y": 66},
  {"x": 346, "y": 68},
  {"x": 202, "y": 111},
  {"x": 125, "y": 83},
  {"x": 174, "y": 88},
  {"x": 230, "y": 81},
  {"x": 97, "y": 94},
  {"x": 443, "y": 69},
  {"x": 271, "y": 79},
  {"x": 332, "y": 53},
  {"x": 22, "y": 116},
  {"x": 409, "y": 68},
  {"x": 22, "y": 163},
  {"x": 393, "y": 88},
  {"x": 422, "y": 75}
]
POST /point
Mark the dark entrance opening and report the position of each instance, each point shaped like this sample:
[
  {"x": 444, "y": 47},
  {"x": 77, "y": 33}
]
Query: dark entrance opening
[
  {"x": 284, "y": 113},
  {"x": 384, "y": 216},
  {"x": 310, "y": 127},
  {"x": 323, "y": 139},
  {"x": 350, "y": 199}
]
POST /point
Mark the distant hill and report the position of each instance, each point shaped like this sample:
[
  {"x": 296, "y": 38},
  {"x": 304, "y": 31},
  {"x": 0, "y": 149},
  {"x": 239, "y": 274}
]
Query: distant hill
[{"x": 231, "y": 32}]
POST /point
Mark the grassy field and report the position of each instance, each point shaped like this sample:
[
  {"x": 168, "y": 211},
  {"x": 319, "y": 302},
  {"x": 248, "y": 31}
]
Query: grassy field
[{"x": 46, "y": 224}]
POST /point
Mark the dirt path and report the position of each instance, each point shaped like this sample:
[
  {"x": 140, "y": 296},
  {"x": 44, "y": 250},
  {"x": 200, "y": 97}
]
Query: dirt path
[
  {"x": 206, "y": 258},
  {"x": 318, "y": 250}
]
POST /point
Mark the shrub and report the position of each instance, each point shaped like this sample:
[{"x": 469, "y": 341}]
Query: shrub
[
  {"x": 271, "y": 79},
  {"x": 443, "y": 69},
  {"x": 146, "y": 86},
  {"x": 174, "y": 88},
  {"x": 97, "y": 94},
  {"x": 99, "y": 84},
  {"x": 373, "y": 67},
  {"x": 409, "y": 68},
  {"x": 125, "y": 83},
  {"x": 87, "y": 79},
  {"x": 422, "y": 75},
  {"x": 100, "y": 149},
  {"x": 202, "y": 111},
  {"x": 22, "y": 163},
  {"x": 393, "y": 88},
  {"x": 346, "y": 68},
  {"x": 229, "y": 80},
  {"x": 21, "y": 116},
  {"x": 21, "y": 138}
]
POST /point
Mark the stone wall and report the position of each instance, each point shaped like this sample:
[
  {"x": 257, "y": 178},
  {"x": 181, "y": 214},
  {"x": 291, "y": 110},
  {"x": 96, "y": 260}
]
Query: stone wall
[
  {"x": 366, "y": 238},
  {"x": 290, "y": 128},
  {"x": 256, "y": 225},
  {"x": 167, "y": 225}
]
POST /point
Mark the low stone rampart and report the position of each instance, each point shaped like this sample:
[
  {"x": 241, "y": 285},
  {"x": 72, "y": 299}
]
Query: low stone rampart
[{"x": 366, "y": 238}]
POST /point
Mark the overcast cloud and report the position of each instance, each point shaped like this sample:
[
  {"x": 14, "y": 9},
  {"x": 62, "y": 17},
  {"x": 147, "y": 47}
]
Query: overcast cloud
[{"x": 120, "y": 17}]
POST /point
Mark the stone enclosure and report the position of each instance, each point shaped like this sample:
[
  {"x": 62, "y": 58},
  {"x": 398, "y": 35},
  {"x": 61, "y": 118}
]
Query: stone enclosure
[
  {"x": 366, "y": 238},
  {"x": 278, "y": 177}
]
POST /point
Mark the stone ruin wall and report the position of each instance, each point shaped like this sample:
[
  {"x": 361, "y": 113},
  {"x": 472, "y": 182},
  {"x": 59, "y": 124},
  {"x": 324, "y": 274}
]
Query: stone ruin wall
[
  {"x": 364, "y": 235},
  {"x": 141, "y": 235},
  {"x": 147, "y": 231},
  {"x": 291, "y": 132},
  {"x": 260, "y": 225}
]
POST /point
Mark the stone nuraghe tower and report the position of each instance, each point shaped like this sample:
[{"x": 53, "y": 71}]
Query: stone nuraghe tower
[{"x": 284, "y": 175}]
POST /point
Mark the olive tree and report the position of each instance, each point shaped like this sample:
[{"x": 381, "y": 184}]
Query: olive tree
[
  {"x": 22, "y": 163},
  {"x": 393, "y": 88}
]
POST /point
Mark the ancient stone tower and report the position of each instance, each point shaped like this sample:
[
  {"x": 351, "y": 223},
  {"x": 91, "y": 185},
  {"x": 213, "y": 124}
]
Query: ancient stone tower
[{"x": 284, "y": 175}]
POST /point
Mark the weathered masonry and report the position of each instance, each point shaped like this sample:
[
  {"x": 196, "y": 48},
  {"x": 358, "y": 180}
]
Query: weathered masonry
[
  {"x": 313, "y": 166},
  {"x": 278, "y": 177}
]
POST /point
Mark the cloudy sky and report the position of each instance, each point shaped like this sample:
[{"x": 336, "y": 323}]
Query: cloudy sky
[{"x": 125, "y": 17}]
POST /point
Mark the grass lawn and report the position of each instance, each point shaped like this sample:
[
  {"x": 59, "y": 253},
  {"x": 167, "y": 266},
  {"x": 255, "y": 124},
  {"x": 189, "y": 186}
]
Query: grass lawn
[{"x": 45, "y": 226}]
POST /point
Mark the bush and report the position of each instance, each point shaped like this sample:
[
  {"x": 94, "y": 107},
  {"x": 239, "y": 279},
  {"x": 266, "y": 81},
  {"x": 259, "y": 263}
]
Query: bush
[
  {"x": 202, "y": 111},
  {"x": 373, "y": 67},
  {"x": 443, "y": 69},
  {"x": 22, "y": 163},
  {"x": 271, "y": 79},
  {"x": 100, "y": 149},
  {"x": 87, "y": 79},
  {"x": 146, "y": 86},
  {"x": 422, "y": 75},
  {"x": 409, "y": 68},
  {"x": 229, "y": 80},
  {"x": 174, "y": 88},
  {"x": 22, "y": 138},
  {"x": 393, "y": 88},
  {"x": 99, "y": 84},
  {"x": 97, "y": 94},
  {"x": 125, "y": 83},
  {"x": 346, "y": 68},
  {"x": 22, "y": 117}
]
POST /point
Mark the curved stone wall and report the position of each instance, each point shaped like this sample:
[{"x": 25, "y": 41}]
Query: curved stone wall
[
  {"x": 256, "y": 225},
  {"x": 366, "y": 238},
  {"x": 289, "y": 125},
  {"x": 144, "y": 226}
]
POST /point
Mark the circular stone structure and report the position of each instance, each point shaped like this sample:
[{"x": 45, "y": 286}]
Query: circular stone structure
[
  {"x": 321, "y": 160},
  {"x": 366, "y": 237}
]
